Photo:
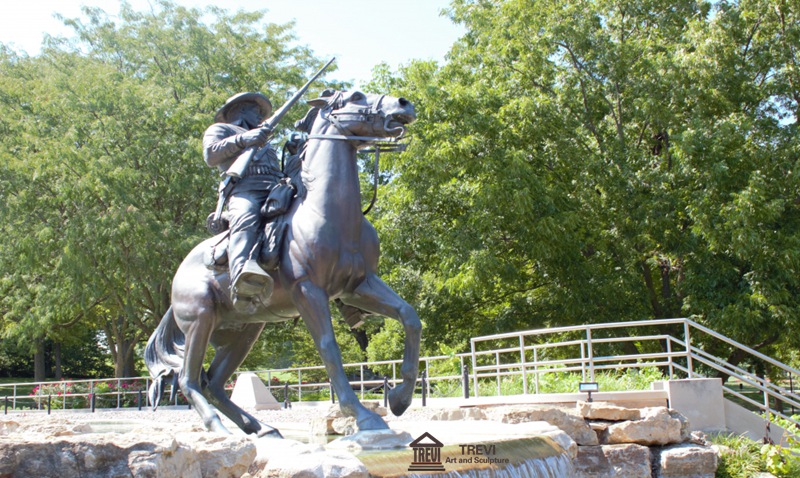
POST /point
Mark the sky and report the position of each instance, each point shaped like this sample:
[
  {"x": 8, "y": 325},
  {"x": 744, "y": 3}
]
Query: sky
[{"x": 359, "y": 33}]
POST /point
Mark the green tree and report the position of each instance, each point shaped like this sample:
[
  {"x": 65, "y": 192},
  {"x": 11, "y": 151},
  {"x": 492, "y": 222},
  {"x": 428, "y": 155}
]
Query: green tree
[
  {"x": 103, "y": 183},
  {"x": 597, "y": 161}
]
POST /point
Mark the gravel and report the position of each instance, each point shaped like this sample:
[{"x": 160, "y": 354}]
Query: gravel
[{"x": 300, "y": 414}]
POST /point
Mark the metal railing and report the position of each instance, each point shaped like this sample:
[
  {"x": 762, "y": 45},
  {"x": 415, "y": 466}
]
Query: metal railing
[
  {"x": 75, "y": 394},
  {"x": 676, "y": 346},
  {"x": 528, "y": 355},
  {"x": 313, "y": 379}
]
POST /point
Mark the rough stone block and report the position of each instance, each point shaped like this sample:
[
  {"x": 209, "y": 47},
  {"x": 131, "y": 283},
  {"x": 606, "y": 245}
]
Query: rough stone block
[
  {"x": 657, "y": 427},
  {"x": 685, "y": 461},
  {"x": 613, "y": 461},
  {"x": 575, "y": 426},
  {"x": 606, "y": 411},
  {"x": 191, "y": 455}
]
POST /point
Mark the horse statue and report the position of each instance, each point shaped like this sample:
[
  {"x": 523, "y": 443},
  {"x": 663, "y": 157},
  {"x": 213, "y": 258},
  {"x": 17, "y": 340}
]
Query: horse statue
[{"x": 329, "y": 251}]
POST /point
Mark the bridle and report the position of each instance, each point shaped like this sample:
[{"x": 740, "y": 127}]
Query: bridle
[{"x": 376, "y": 144}]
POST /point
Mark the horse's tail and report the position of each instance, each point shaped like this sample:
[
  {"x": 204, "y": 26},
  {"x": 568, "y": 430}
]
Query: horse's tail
[{"x": 163, "y": 356}]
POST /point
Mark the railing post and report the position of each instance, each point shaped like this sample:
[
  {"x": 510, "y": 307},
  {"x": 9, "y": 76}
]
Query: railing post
[
  {"x": 91, "y": 396},
  {"x": 361, "y": 375},
  {"x": 139, "y": 400},
  {"x": 669, "y": 352},
  {"x": 49, "y": 398},
  {"x": 269, "y": 381},
  {"x": 767, "y": 410},
  {"x": 583, "y": 362},
  {"x": 385, "y": 391},
  {"x": 590, "y": 353},
  {"x": 536, "y": 368},
  {"x": 688, "y": 343},
  {"x": 286, "y": 403},
  {"x": 474, "y": 368},
  {"x": 522, "y": 364},
  {"x": 299, "y": 385},
  {"x": 119, "y": 394},
  {"x": 64, "y": 396},
  {"x": 424, "y": 387},
  {"x": 14, "y": 397},
  {"x": 465, "y": 380},
  {"x": 497, "y": 370}
]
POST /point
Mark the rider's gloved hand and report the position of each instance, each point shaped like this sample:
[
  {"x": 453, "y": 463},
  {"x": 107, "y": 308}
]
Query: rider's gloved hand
[{"x": 255, "y": 137}]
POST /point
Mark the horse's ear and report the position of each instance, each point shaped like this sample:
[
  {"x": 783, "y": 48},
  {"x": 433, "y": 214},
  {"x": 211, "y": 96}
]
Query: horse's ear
[
  {"x": 318, "y": 103},
  {"x": 323, "y": 98}
]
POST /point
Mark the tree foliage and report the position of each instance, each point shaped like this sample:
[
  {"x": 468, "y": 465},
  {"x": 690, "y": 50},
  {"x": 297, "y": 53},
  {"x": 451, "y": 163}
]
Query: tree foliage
[
  {"x": 573, "y": 162},
  {"x": 103, "y": 185},
  {"x": 598, "y": 161}
]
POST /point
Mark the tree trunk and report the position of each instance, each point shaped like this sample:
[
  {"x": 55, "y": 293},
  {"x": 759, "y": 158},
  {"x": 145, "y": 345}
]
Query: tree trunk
[
  {"x": 124, "y": 363},
  {"x": 39, "y": 368},
  {"x": 57, "y": 358}
]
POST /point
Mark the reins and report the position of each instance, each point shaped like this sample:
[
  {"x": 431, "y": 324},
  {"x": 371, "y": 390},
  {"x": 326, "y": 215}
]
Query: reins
[{"x": 377, "y": 144}]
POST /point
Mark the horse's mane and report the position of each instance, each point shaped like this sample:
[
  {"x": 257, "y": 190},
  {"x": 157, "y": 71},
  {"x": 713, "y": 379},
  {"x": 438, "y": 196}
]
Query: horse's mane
[{"x": 305, "y": 124}]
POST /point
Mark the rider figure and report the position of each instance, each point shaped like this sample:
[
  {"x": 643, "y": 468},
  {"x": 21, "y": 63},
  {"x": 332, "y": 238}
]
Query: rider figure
[{"x": 236, "y": 129}]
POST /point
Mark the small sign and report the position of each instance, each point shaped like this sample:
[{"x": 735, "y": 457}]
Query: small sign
[{"x": 589, "y": 387}]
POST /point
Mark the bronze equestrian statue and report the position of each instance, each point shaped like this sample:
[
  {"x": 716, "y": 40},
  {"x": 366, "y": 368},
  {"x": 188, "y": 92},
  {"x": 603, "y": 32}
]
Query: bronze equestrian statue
[{"x": 329, "y": 251}]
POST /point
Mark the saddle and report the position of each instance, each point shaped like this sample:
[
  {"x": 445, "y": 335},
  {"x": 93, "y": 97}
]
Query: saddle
[{"x": 273, "y": 211}]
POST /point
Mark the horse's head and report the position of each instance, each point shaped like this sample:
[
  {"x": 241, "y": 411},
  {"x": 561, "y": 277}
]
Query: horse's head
[{"x": 357, "y": 114}]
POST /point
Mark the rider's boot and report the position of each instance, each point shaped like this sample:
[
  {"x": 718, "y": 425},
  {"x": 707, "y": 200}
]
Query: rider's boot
[{"x": 251, "y": 287}]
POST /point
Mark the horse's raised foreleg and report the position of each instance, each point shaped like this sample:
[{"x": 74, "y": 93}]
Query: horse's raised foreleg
[
  {"x": 312, "y": 303},
  {"x": 232, "y": 346},
  {"x": 198, "y": 331},
  {"x": 375, "y": 296}
]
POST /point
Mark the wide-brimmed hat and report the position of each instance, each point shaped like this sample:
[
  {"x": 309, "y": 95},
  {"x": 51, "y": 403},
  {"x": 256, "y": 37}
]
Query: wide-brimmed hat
[{"x": 262, "y": 101}]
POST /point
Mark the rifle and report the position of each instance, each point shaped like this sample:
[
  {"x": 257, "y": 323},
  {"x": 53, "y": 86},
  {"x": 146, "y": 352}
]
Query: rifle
[{"x": 239, "y": 166}]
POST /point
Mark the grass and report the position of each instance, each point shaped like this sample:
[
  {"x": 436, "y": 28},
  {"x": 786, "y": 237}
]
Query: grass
[
  {"x": 741, "y": 457},
  {"x": 553, "y": 382}
]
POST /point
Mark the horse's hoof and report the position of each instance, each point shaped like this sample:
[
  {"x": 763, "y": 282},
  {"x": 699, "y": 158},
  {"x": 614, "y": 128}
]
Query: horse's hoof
[
  {"x": 398, "y": 401},
  {"x": 372, "y": 422},
  {"x": 218, "y": 427},
  {"x": 269, "y": 432}
]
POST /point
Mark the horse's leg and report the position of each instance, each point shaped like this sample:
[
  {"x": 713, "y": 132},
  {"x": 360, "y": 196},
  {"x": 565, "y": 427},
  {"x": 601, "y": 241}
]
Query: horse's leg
[
  {"x": 232, "y": 346},
  {"x": 375, "y": 296},
  {"x": 312, "y": 303},
  {"x": 198, "y": 332}
]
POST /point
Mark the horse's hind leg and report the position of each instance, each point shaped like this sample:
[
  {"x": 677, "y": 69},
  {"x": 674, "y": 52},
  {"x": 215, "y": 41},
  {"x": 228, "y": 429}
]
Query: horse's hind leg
[
  {"x": 375, "y": 296},
  {"x": 312, "y": 302},
  {"x": 198, "y": 332},
  {"x": 232, "y": 346}
]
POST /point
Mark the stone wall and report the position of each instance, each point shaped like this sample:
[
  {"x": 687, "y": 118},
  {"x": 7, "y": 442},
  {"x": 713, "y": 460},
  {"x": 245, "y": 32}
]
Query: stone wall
[
  {"x": 604, "y": 441},
  {"x": 62, "y": 448},
  {"x": 618, "y": 442}
]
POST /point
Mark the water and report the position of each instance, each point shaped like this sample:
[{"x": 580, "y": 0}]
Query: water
[
  {"x": 534, "y": 457},
  {"x": 520, "y": 457}
]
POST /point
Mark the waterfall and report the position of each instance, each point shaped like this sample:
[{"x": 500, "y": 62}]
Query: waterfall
[{"x": 530, "y": 457}]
